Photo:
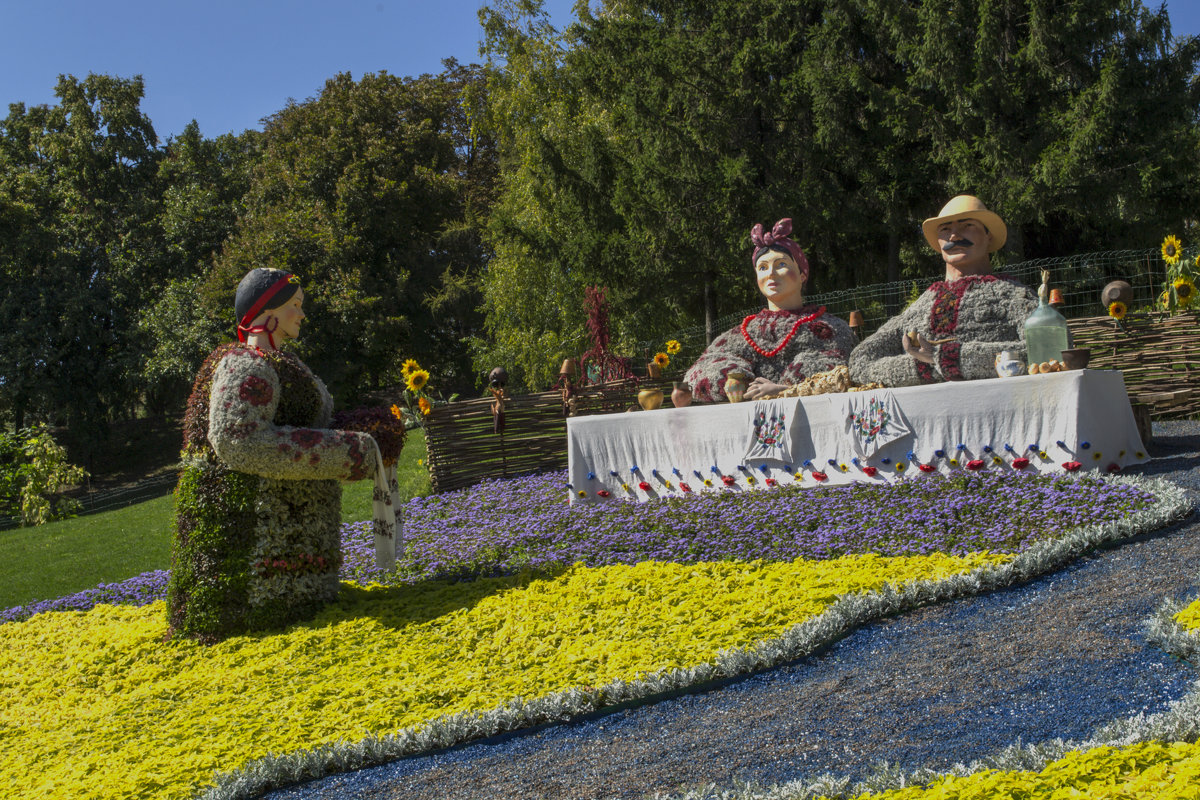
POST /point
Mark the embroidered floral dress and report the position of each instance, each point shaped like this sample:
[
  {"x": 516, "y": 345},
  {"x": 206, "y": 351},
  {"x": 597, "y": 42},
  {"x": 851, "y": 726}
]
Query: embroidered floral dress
[
  {"x": 783, "y": 346},
  {"x": 258, "y": 506},
  {"x": 983, "y": 313}
]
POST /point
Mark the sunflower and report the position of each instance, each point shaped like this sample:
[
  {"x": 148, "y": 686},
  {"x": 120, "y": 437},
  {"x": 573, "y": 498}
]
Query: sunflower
[
  {"x": 674, "y": 346},
  {"x": 425, "y": 406},
  {"x": 408, "y": 367},
  {"x": 1164, "y": 299},
  {"x": 1185, "y": 291},
  {"x": 1170, "y": 249},
  {"x": 1117, "y": 309},
  {"x": 417, "y": 380},
  {"x": 662, "y": 360},
  {"x": 396, "y": 412}
]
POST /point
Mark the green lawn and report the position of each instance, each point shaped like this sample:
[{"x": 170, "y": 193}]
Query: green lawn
[{"x": 65, "y": 557}]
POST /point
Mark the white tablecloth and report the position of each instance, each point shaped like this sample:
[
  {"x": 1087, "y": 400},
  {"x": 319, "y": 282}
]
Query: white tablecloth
[{"x": 1076, "y": 420}]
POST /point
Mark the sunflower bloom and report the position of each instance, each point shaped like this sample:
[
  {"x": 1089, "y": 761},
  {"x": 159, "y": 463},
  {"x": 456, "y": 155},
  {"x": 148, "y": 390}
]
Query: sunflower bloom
[
  {"x": 1171, "y": 249},
  {"x": 424, "y": 405},
  {"x": 1164, "y": 299},
  {"x": 409, "y": 367},
  {"x": 662, "y": 360},
  {"x": 417, "y": 380},
  {"x": 674, "y": 347},
  {"x": 1117, "y": 309},
  {"x": 1185, "y": 291},
  {"x": 396, "y": 412}
]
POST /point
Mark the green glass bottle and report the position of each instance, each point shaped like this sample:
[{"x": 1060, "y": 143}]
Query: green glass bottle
[{"x": 1046, "y": 333}]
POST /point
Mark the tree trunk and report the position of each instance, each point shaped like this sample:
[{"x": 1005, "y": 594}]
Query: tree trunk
[
  {"x": 710, "y": 308},
  {"x": 892, "y": 298}
]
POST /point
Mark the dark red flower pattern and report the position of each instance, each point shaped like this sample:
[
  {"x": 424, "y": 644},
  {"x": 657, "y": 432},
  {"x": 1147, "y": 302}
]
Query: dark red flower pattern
[{"x": 256, "y": 391}]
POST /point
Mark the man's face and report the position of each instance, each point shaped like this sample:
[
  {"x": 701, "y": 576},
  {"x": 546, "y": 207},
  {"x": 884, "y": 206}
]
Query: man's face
[{"x": 965, "y": 245}]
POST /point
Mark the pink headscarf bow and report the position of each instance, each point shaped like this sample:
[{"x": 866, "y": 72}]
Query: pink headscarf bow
[{"x": 778, "y": 237}]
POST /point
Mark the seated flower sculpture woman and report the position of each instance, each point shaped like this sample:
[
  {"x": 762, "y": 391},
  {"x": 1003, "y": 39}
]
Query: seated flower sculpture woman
[
  {"x": 258, "y": 504},
  {"x": 782, "y": 344}
]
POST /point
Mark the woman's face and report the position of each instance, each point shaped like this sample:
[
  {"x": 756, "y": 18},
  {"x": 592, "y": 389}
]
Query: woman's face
[
  {"x": 290, "y": 314},
  {"x": 779, "y": 280}
]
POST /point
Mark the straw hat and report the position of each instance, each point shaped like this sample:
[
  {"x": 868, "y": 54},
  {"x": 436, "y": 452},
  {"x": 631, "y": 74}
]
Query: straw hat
[{"x": 962, "y": 207}]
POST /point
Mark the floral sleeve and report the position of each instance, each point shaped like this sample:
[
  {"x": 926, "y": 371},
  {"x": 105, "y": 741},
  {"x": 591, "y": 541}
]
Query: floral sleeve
[
  {"x": 880, "y": 358},
  {"x": 707, "y": 376},
  {"x": 245, "y": 395}
]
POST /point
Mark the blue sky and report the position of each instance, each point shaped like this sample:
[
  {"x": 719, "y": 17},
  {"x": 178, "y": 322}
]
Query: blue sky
[{"x": 229, "y": 63}]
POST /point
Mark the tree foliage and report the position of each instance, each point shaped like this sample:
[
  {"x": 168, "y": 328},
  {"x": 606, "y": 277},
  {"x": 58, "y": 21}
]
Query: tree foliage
[
  {"x": 372, "y": 194},
  {"x": 640, "y": 145}
]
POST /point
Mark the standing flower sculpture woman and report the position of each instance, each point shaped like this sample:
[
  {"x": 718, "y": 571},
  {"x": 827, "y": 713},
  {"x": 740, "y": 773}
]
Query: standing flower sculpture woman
[
  {"x": 782, "y": 344},
  {"x": 258, "y": 505}
]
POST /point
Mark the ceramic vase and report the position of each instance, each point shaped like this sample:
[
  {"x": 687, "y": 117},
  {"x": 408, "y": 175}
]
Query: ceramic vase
[
  {"x": 736, "y": 384},
  {"x": 681, "y": 395},
  {"x": 1008, "y": 365},
  {"x": 650, "y": 399}
]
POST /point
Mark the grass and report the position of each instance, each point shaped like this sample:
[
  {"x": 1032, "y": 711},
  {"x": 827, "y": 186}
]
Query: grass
[{"x": 71, "y": 555}]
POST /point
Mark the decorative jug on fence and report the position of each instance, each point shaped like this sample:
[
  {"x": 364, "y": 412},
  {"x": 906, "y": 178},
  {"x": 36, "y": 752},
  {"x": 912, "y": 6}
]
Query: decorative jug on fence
[
  {"x": 736, "y": 384},
  {"x": 1008, "y": 365}
]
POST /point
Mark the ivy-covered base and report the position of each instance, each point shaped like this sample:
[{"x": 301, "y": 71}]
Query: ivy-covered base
[{"x": 250, "y": 553}]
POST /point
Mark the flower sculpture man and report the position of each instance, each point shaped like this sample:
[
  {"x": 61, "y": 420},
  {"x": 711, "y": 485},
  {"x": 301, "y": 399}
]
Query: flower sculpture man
[
  {"x": 782, "y": 344},
  {"x": 258, "y": 504},
  {"x": 954, "y": 330}
]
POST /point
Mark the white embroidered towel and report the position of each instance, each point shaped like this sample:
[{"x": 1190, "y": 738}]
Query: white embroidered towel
[
  {"x": 873, "y": 419},
  {"x": 770, "y": 438}
]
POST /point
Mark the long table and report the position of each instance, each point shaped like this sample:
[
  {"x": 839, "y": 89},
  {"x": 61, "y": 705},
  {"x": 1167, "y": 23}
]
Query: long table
[{"x": 1062, "y": 422}]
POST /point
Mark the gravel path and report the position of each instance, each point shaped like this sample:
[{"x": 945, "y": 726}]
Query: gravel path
[{"x": 1054, "y": 657}]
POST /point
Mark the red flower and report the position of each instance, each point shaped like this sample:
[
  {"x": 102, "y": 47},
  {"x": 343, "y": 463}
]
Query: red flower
[
  {"x": 256, "y": 391},
  {"x": 306, "y": 437},
  {"x": 729, "y": 480},
  {"x": 603, "y": 493},
  {"x": 1114, "y": 467},
  {"x": 771, "y": 481},
  {"x": 870, "y": 471},
  {"x": 926, "y": 467},
  {"x": 645, "y": 487},
  {"x": 820, "y": 476},
  {"x": 1071, "y": 466},
  {"x": 821, "y": 330},
  {"x": 1020, "y": 463},
  {"x": 685, "y": 487},
  {"x": 975, "y": 464}
]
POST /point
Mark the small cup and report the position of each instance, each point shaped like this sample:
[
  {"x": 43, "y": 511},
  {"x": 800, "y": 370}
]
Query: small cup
[{"x": 1077, "y": 358}]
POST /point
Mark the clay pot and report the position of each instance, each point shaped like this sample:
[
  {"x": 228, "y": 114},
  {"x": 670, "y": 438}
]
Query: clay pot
[
  {"x": 736, "y": 384},
  {"x": 1076, "y": 358},
  {"x": 681, "y": 395},
  {"x": 650, "y": 399},
  {"x": 653, "y": 370},
  {"x": 1116, "y": 291}
]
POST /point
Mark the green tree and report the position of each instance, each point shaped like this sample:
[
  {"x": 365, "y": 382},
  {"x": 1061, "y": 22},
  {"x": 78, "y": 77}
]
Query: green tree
[
  {"x": 372, "y": 193},
  {"x": 77, "y": 193}
]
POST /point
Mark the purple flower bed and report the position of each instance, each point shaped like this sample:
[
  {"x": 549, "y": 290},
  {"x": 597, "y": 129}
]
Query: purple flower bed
[
  {"x": 136, "y": 591},
  {"x": 525, "y": 523},
  {"x": 505, "y": 526}
]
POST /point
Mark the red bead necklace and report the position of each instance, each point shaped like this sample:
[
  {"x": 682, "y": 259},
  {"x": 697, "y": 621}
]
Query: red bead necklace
[{"x": 786, "y": 339}]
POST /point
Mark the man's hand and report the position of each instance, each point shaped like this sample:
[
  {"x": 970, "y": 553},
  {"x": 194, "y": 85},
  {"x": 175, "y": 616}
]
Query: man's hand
[{"x": 922, "y": 350}]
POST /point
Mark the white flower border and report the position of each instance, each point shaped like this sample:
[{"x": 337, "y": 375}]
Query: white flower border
[{"x": 1180, "y": 722}]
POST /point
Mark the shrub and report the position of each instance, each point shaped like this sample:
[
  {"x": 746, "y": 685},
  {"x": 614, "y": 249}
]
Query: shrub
[{"x": 33, "y": 469}]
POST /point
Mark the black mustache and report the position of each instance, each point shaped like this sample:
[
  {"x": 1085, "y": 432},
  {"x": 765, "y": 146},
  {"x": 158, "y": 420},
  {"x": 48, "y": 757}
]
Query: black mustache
[{"x": 958, "y": 243}]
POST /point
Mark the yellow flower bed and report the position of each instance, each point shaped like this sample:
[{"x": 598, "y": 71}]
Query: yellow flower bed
[
  {"x": 96, "y": 705},
  {"x": 1138, "y": 772},
  {"x": 1189, "y": 618}
]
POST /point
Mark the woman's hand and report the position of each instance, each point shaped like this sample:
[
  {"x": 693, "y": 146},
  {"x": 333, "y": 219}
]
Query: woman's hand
[
  {"x": 921, "y": 350},
  {"x": 761, "y": 386}
]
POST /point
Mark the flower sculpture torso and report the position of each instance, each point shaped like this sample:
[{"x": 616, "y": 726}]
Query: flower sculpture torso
[
  {"x": 258, "y": 504},
  {"x": 784, "y": 346},
  {"x": 973, "y": 318}
]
